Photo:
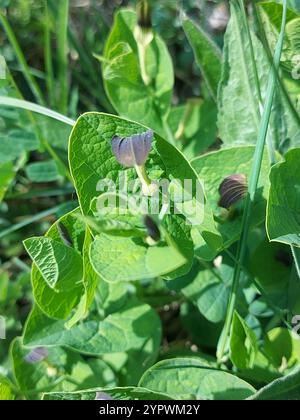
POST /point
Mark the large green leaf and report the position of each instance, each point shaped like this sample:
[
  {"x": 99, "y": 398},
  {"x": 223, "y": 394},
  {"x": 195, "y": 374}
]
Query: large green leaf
[
  {"x": 243, "y": 343},
  {"x": 146, "y": 101},
  {"x": 6, "y": 392},
  {"x": 282, "y": 347},
  {"x": 286, "y": 388},
  {"x": 270, "y": 264},
  {"x": 202, "y": 332},
  {"x": 194, "y": 126},
  {"x": 238, "y": 117},
  {"x": 59, "y": 302},
  {"x": 283, "y": 212},
  {"x": 90, "y": 281},
  {"x": 126, "y": 393},
  {"x": 188, "y": 378},
  {"x": 128, "y": 328},
  {"x": 117, "y": 258},
  {"x": 207, "y": 288},
  {"x": 60, "y": 265},
  {"x": 59, "y": 370},
  {"x": 271, "y": 14},
  {"x": 212, "y": 169},
  {"x": 42, "y": 171},
  {"x": 91, "y": 161},
  {"x": 30, "y": 376},
  {"x": 239, "y": 107},
  {"x": 208, "y": 55},
  {"x": 16, "y": 143}
]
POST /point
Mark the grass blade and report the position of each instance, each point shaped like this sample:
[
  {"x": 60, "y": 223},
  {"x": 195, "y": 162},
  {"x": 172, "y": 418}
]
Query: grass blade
[
  {"x": 30, "y": 106},
  {"x": 62, "y": 53},
  {"x": 253, "y": 181},
  {"x": 32, "y": 219},
  {"x": 22, "y": 61},
  {"x": 48, "y": 57}
]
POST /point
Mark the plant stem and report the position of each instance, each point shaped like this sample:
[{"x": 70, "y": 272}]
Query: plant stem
[
  {"x": 62, "y": 53},
  {"x": 48, "y": 57},
  {"x": 253, "y": 181},
  {"x": 271, "y": 149},
  {"x": 296, "y": 256}
]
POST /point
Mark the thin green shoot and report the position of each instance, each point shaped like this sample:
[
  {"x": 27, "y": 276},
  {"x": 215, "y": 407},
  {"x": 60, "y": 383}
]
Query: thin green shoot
[{"x": 253, "y": 182}]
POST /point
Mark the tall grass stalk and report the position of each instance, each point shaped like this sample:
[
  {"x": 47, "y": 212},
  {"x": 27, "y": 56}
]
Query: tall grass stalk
[
  {"x": 22, "y": 61},
  {"x": 48, "y": 57},
  {"x": 62, "y": 54},
  {"x": 271, "y": 149},
  {"x": 253, "y": 182}
]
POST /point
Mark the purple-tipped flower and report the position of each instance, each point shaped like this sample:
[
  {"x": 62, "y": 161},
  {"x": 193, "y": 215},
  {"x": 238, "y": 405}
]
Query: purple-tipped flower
[
  {"x": 102, "y": 396},
  {"x": 133, "y": 150},
  {"x": 152, "y": 229},
  {"x": 64, "y": 234},
  {"x": 36, "y": 355},
  {"x": 144, "y": 14},
  {"x": 232, "y": 189}
]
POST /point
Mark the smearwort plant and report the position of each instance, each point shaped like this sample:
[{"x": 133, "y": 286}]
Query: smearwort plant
[{"x": 199, "y": 299}]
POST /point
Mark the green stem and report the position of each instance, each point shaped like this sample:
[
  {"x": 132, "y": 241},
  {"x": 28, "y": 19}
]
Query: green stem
[
  {"x": 148, "y": 188},
  {"x": 271, "y": 149},
  {"x": 22, "y": 61},
  {"x": 48, "y": 57},
  {"x": 62, "y": 53},
  {"x": 296, "y": 256},
  {"x": 253, "y": 182}
]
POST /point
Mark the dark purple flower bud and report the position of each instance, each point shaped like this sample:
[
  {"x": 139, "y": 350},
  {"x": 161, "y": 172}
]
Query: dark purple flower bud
[
  {"x": 152, "y": 228},
  {"x": 36, "y": 355},
  {"x": 134, "y": 150},
  {"x": 102, "y": 396},
  {"x": 64, "y": 234},
  {"x": 232, "y": 189},
  {"x": 144, "y": 14}
]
